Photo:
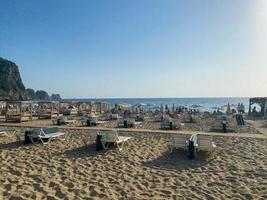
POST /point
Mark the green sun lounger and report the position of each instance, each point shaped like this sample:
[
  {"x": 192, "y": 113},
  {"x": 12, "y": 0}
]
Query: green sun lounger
[
  {"x": 45, "y": 135},
  {"x": 7, "y": 131}
]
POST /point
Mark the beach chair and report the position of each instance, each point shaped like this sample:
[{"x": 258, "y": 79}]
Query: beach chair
[
  {"x": 7, "y": 131},
  {"x": 113, "y": 137},
  {"x": 58, "y": 121},
  {"x": 70, "y": 120},
  {"x": 178, "y": 142},
  {"x": 45, "y": 135},
  {"x": 205, "y": 143},
  {"x": 168, "y": 125},
  {"x": 131, "y": 122},
  {"x": 120, "y": 123},
  {"x": 113, "y": 117},
  {"x": 126, "y": 123},
  {"x": 90, "y": 121}
]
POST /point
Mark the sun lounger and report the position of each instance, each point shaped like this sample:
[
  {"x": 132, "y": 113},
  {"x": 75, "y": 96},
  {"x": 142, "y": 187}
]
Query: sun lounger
[
  {"x": 205, "y": 143},
  {"x": 179, "y": 142},
  {"x": 45, "y": 135},
  {"x": 127, "y": 123},
  {"x": 7, "y": 131},
  {"x": 168, "y": 125},
  {"x": 70, "y": 121},
  {"x": 113, "y": 137},
  {"x": 120, "y": 124},
  {"x": 113, "y": 117},
  {"x": 193, "y": 145},
  {"x": 90, "y": 121},
  {"x": 131, "y": 122},
  {"x": 64, "y": 121}
]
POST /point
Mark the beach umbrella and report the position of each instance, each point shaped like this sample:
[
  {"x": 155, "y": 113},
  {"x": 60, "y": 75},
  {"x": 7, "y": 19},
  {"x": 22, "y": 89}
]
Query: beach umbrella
[
  {"x": 124, "y": 105},
  {"x": 196, "y": 106},
  {"x": 141, "y": 104},
  {"x": 216, "y": 108},
  {"x": 151, "y": 104}
]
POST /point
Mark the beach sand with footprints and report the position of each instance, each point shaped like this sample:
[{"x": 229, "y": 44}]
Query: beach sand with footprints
[{"x": 144, "y": 169}]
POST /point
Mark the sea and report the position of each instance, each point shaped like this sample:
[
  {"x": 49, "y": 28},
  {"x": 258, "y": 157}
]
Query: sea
[{"x": 207, "y": 104}]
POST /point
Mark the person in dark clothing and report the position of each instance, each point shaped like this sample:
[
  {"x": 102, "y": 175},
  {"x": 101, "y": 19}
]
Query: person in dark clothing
[{"x": 224, "y": 126}]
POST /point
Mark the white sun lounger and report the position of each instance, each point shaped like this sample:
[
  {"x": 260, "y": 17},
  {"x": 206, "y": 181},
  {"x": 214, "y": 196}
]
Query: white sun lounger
[
  {"x": 178, "y": 141},
  {"x": 112, "y": 137},
  {"x": 7, "y": 131},
  {"x": 205, "y": 143},
  {"x": 44, "y": 134}
]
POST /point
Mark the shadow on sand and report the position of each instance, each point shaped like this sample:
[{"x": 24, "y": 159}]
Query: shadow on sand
[
  {"x": 12, "y": 145},
  {"x": 84, "y": 151},
  {"x": 178, "y": 160}
]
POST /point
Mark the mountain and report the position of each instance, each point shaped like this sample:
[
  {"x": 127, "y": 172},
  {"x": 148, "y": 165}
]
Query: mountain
[
  {"x": 55, "y": 97},
  {"x": 12, "y": 87}
]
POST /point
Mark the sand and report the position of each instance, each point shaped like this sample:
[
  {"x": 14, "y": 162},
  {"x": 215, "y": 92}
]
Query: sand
[{"x": 145, "y": 169}]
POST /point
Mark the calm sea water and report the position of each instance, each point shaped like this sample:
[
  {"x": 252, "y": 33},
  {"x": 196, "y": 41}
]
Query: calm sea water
[{"x": 207, "y": 103}]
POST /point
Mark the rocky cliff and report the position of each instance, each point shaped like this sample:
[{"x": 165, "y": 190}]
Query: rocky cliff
[{"x": 12, "y": 87}]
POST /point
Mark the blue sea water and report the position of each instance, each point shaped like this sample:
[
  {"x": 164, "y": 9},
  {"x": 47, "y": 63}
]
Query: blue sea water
[{"x": 207, "y": 103}]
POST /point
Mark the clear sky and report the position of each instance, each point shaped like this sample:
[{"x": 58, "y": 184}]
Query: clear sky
[{"x": 138, "y": 48}]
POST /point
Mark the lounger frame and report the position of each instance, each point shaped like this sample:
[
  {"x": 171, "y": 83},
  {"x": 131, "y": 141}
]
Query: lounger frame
[
  {"x": 113, "y": 137},
  {"x": 41, "y": 135}
]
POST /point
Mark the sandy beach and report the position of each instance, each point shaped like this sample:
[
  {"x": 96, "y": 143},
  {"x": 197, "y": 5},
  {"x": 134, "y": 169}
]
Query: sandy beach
[
  {"x": 145, "y": 169},
  {"x": 133, "y": 100},
  {"x": 201, "y": 122}
]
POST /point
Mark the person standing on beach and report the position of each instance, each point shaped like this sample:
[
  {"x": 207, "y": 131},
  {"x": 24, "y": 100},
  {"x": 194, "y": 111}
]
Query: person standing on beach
[
  {"x": 224, "y": 126},
  {"x": 242, "y": 108},
  {"x": 238, "y": 108}
]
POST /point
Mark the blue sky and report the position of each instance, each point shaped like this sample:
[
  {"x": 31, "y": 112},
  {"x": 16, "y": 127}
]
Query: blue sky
[{"x": 140, "y": 48}]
